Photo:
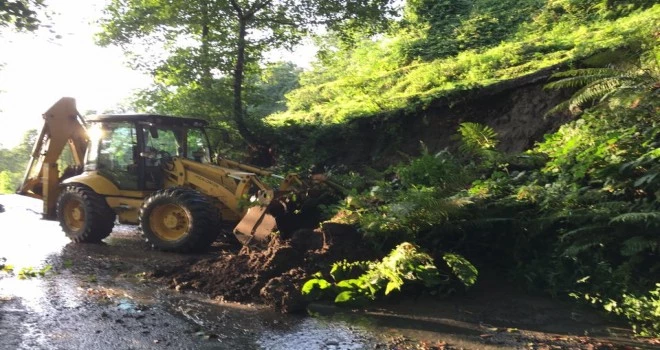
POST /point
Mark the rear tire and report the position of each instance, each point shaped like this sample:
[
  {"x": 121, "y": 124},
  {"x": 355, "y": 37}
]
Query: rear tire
[
  {"x": 84, "y": 215},
  {"x": 179, "y": 219}
]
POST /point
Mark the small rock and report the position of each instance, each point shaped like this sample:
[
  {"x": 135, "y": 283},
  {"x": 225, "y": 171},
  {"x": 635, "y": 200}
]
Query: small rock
[{"x": 332, "y": 342}]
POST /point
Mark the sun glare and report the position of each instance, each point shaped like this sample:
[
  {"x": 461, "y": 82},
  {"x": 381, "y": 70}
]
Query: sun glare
[{"x": 60, "y": 59}]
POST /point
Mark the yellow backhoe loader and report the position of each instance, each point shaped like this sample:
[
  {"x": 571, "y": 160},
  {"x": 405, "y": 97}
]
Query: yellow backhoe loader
[{"x": 152, "y": 170}]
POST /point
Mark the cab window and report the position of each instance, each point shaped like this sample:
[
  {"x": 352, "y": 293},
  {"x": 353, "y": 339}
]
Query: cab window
[
  {"x": 162, "y": 141},
  {"x": 197, "y": 146},
  {"x": 117, "y": 152}
]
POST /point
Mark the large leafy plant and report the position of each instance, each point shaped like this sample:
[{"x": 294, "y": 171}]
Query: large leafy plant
[{"x": 405, "y": 266}]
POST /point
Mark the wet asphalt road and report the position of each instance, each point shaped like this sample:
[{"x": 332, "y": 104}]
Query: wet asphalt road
[{"x": 97, "y": 296}]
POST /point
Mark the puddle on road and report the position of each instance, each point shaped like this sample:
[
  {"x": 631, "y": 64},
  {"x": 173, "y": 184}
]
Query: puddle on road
[
  {"x": 263, "y": 328},
  {"x": 328, "y": 328}
]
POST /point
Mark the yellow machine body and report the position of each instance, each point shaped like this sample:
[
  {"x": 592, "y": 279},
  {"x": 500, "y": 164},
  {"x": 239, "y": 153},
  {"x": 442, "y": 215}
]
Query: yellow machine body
[{"x": 235, "y": 188}]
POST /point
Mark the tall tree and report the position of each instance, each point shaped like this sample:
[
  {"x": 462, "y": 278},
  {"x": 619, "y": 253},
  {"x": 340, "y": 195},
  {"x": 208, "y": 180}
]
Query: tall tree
[
  {"x": 20, "y": 14},
  {"x": 207, "y": 39}
]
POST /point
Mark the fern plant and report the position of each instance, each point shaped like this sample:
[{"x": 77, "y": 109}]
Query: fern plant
[
  {"x": 598, "y": 84},
  {"x": 476, "y": 138}
]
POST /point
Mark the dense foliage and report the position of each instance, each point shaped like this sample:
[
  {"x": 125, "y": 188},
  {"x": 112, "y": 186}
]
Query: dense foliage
[
  {"x": 206, "y": 41},
  {"x": 487, "y": 43},
  {"x": 20, "y": 14},
  {"x": 576, "y": 215},
  {"x": 355, "y": 283},
  {"x": 14, "y": 161},
  {"x": 264, "y": 94}
]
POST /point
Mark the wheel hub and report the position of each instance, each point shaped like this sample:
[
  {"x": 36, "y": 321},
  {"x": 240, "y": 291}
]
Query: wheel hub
[
  {"x": 169, "y": 222},
  {"x": 74, "y": 215}
]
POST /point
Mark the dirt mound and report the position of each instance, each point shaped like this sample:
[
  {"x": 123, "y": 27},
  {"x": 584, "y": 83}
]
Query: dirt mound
[{"x": 273, "y": 275}]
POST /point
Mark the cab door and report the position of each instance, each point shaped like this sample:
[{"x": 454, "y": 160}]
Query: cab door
[
  {"x": 118, "y": 155},
  {"x": 158, "y": 144}
]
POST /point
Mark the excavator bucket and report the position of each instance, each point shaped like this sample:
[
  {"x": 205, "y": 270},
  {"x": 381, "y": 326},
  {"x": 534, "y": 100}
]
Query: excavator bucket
[
  {"x": 288, "y": 212},
  {"x": 256, "y": 226}
]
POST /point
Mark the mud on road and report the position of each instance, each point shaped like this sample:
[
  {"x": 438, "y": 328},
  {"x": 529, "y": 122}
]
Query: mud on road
[
  {"x": 123, "y": 295},
  {"x": 101, "y": 296}
]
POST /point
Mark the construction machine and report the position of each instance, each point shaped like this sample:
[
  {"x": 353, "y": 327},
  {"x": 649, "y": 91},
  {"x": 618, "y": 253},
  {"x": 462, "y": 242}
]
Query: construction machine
[{"x": 152, "y": 170}]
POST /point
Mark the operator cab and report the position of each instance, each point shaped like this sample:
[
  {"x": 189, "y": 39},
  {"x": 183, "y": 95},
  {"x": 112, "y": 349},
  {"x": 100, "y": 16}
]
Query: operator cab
[{"x": 129, "y": 150}]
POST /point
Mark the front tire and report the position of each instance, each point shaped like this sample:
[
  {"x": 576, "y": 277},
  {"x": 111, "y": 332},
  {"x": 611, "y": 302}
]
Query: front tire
[
  {"x": 179, "y": 220},
  {"x": 84, "y": 215}
]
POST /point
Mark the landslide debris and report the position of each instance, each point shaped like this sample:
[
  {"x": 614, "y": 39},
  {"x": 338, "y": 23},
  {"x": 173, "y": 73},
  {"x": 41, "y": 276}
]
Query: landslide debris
[{"x": 273, "y": 275}]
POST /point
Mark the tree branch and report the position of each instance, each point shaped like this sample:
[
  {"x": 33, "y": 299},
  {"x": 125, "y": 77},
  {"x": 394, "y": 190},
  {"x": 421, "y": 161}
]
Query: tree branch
[
  {"x": 276, "y": 21},
  {"x": 237, "y": 7},
  {"x": 256, "y": 7}
]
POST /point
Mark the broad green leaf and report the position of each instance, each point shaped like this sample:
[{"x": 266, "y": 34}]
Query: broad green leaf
[
  {"x": 392, "y": 286},
  {"x": 315, "y": 287},
  {"x": 462, "y": 268},
  {"x": 346, "y": 296}
]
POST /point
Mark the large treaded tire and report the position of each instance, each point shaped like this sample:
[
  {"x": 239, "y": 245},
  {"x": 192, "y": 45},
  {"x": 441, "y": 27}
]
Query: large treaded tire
[
  {"x": 201, "y": 216},
  {"x": 95, "y": 218}
]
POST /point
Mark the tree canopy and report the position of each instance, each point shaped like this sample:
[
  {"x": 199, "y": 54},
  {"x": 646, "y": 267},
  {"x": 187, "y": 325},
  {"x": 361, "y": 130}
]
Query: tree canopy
[
  {"x": 207, "y": 41},
  {"x": 20, "y": 14}
]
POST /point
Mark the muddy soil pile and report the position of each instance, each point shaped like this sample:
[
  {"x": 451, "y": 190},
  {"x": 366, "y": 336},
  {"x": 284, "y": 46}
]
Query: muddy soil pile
[{"x": 273, "y": 275}]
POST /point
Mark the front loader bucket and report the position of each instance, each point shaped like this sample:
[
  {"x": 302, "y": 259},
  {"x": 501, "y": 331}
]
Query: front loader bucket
[{"x": 255, "y": 227}]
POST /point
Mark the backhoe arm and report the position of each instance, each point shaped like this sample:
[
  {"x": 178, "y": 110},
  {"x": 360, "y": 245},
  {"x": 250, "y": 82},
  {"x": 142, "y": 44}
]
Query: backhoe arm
[{"x": 62, "y": 125}]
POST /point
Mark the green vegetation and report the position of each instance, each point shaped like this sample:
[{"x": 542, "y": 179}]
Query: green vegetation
[
  {"x": 379, "y": 78},
  {"x": 31, "y": 272},
  {"x": 20, "y": 14},
  {"x": 356, "y": 283},
  {"x": 577, "y": 215},
  {"x": 14, "y": 161},
  {"x": 643, "y": 312},
  {"x": 586, "y": 220},
  {"x": 25, "y": 272},
  {"x": 4, "y": 267},
  {"x": 208, "y": 41}
]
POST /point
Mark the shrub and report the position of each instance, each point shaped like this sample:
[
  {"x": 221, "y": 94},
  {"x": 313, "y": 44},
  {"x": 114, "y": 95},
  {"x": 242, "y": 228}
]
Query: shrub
[{"x": 405, "y": 266}]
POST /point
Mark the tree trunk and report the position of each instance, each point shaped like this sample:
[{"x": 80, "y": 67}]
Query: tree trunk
[
  {"x": 239, "y": 113},
  {"x": 207, "y": 78},
  {"x": 259, "y": 152}
]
